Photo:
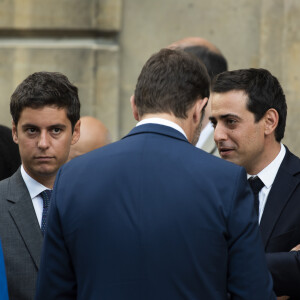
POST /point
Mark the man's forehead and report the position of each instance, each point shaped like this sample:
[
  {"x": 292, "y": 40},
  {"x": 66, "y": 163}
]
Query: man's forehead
[
  {"x": 43, "y": 115},
  {"x": 228, "y": 99},
  {"x": 231, "y": 103}
]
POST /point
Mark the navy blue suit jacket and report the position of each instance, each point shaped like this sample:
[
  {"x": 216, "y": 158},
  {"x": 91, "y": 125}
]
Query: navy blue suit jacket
[
  {"x": 152, "y": 217},
  {"x": 280, "y": 227},
  {"x": 3, "y": 283}
]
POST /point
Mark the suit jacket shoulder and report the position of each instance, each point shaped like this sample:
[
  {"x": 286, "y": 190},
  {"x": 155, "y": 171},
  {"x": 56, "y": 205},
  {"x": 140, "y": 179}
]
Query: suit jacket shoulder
[{"x": 20, "y": 235}]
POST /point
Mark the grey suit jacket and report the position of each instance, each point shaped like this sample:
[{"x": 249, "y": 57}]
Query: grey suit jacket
[{"x": 21, "y": 237}]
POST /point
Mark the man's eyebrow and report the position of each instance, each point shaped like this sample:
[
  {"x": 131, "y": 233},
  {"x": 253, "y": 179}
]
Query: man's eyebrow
[
  {"x": 212, "y": 118},
  {"x": 28, "y": 125}
]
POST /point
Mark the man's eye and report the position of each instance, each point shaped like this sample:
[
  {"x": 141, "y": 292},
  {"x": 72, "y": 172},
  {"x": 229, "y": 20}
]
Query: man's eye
[
  {"x": 31, "y": 130},
  {"x": 56, "y": 130},
  {"x": 231, "y": 121}
]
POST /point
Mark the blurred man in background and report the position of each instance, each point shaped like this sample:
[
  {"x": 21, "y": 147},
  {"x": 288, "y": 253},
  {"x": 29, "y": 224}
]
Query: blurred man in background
[{"x": 215, "y": 63}]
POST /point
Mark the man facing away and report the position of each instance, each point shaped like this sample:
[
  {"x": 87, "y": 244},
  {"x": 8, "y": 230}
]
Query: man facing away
[
  {"x": 215, "y": 63},
  {"x": 45, "y": 112},
  {"x": 249, "y": 116},
  {"x": 152, "y": 216}
]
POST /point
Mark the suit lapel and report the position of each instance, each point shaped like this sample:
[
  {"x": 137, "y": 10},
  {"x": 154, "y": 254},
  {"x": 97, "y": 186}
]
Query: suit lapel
[
  {"x": 24, "y": 216},
  {"x": 283, "y": 186}
]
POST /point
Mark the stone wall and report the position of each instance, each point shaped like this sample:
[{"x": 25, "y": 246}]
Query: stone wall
[
  {"x": 75, "y": 37},
  {"x": 101, "y": 45},
  {"x": 250, "y": 33}
]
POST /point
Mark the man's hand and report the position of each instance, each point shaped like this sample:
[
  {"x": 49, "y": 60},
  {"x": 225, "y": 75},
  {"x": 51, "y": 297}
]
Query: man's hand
[
  {"x": 297, "y": 248},
  {"x": 283, "y": 298}
]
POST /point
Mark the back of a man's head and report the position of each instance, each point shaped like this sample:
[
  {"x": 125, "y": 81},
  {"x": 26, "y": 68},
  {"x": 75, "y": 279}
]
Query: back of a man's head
[
  {"x": 170, "y": 82},
  {"x": 204, "y": 50},
  {"x": 262, "y": 89},
  {"x": 93, "y": 135},
  {"x": 214, "y": 62},
  {"x": 46, "y": 89}
]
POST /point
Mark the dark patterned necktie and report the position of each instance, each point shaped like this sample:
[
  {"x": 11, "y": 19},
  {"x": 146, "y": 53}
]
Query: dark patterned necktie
[
  {"x": 46, "y": 195},
  {"x": 256, "y": 185}
]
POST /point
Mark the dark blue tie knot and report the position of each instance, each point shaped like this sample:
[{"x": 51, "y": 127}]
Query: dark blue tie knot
[{"x": 256, "y": 184}]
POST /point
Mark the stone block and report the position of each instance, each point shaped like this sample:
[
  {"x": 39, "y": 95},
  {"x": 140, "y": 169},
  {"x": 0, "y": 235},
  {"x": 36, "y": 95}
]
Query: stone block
[
  {"x": 92, "y": 67},
  {"x": 100, "y": 15}
]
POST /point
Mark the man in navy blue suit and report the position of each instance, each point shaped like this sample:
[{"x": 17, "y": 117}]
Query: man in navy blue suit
[
  {"x": 249, "y": 115},
  {"x": 152, "y": 216},
  {"x": 3, "y": 283}
]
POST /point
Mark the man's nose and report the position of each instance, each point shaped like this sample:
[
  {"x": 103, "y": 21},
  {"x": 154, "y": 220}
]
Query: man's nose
[
  {"x": 43, "y": 142},
  {"x": 220, "y": 133}
]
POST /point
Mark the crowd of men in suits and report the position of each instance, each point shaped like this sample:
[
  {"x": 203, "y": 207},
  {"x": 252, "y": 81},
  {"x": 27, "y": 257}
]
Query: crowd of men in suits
[{"x": 152, "y": 216}]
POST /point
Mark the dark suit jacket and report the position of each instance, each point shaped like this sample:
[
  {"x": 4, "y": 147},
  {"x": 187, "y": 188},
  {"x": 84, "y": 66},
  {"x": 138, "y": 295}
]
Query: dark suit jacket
[
  {"x": 280, "y": 226},
  {"x": 152, "y": 217},
  {"x": 3, "y": 284},
  {"x": 21, "y": 237},
  {"x": 9, "y": 153}
]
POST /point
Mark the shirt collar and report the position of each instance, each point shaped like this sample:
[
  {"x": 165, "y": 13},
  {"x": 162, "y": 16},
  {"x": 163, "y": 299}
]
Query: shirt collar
[
  {"x": 33, "y": 186},
  {"x": 161, "y": 121},
  {"x": 268, "y": 174}
]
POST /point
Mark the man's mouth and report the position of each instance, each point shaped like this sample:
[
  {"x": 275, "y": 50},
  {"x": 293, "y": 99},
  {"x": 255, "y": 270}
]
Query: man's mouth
[
  {"x": 43, "y": 158},
  {"x": 225, "y": 151}
]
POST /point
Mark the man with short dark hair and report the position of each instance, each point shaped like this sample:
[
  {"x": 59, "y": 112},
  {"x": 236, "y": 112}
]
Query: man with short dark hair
[
  {"x": 249, "y": 116},
  {"x": 45, "y": 109},
  {"x": 152, "y": 216}
]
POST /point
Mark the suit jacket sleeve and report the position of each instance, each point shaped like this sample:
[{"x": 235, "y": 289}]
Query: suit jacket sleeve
[
  {"x": 56, "y": 278},
  {"x": 285, "y": 270},
  {"x": 3, "y": 283},
  {"x": 248, "y": 276}
]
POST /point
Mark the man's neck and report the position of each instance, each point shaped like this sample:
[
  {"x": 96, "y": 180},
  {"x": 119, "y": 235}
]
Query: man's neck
[
  {"x": 270, "y": 152},
  {"x": 46, "y": 180}
]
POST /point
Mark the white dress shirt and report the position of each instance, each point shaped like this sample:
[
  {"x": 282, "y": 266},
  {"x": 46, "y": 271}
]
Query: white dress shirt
[
  {"x": 161, "y": 121},
  {"x": 267, "y": 176},
  {"x": 34, "y": 188},
  {"x": 205, "y": 133}
]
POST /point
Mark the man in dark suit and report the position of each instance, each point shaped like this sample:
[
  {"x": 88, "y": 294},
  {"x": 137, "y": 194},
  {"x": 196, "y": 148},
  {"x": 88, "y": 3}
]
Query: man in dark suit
[
  {"x": 249, "y": 115},
  {"x": 45, "y": 111},
  {"x": 152, "y": 216}
]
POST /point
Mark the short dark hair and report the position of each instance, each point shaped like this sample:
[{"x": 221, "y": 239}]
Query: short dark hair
[
  {"x": 263, "y": 90},
  {"x": 46, "y": 88},
  {"x": 170, "y": 82},
  {"x": 214, "y": 62}
]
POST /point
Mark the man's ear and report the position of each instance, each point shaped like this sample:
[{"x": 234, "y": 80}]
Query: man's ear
[
  {"x": 134, "y": 108},
  {"x": 271, "y": 119},
  {"x": 76, "y": 133},
  {"x": 15, "y": 133},
  {"x": 198, "y": 108}
]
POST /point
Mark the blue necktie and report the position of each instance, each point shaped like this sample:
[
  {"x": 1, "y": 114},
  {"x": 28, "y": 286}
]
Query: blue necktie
[
  {"x": 46, "y": 195},
  {"x": 256, "y": 185}
]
